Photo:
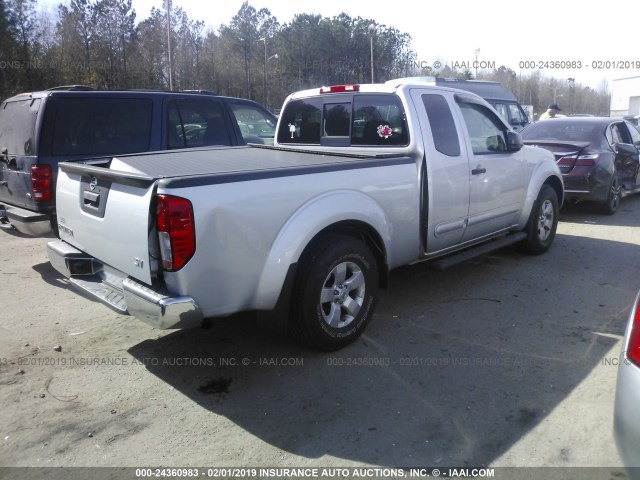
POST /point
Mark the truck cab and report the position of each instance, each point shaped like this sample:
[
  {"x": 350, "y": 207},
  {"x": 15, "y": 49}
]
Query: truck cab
[{"x": 475, "y": 174}]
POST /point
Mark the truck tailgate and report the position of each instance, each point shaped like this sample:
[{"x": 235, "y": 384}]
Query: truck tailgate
[{"x": 106, "y": 213}]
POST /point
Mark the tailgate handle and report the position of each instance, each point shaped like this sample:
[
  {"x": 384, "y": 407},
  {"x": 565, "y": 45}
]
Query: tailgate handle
[{"x": 91, "y": 199}]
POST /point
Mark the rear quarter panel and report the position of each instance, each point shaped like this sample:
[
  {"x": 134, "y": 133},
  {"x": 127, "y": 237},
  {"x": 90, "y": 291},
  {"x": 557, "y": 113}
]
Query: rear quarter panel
[{"x": 249, "y": 232}]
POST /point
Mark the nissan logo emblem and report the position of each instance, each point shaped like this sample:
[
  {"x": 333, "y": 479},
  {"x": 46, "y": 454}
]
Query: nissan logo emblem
[{"x": 93, "y": 183}]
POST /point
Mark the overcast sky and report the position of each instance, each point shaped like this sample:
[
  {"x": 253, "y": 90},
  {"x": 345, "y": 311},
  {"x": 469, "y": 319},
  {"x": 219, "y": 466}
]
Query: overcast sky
[{"x": 505, "y": 32}]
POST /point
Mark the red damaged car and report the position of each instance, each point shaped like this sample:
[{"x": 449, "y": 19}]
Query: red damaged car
[{"x": 598, "y": 156}]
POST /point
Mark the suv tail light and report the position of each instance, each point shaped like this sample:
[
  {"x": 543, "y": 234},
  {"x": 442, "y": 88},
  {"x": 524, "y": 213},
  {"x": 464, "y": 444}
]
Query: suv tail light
[
  {"x": 41, "y": 182},
  {"x": 176, "y": 231},
  {"x": 633, "y": 349}
]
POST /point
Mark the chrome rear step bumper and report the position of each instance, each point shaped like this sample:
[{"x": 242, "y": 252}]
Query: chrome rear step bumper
[{"x": 155, "y": 307}]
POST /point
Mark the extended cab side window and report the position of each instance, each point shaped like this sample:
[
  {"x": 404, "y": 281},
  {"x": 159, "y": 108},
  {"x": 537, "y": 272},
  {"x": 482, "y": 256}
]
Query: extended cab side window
[
  {"x": 378, "y": 120},
  {"x": 301, "y": 122},
  {"x": 443, "y": 128},
  {"x": 99, "y": 126},
  {"x": 486, "y": 131},
  {"x": 196, "y": 123}
]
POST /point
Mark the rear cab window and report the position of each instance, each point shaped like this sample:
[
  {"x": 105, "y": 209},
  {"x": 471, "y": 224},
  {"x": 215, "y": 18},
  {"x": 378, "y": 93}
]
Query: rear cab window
[
  {"x": 344, "y": 120},
  {"x": 18, "y": 126},
  {"x": 300, "y": 122}
]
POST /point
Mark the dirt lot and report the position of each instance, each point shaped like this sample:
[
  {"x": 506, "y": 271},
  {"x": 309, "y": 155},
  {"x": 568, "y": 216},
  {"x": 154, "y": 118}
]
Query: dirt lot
[{"x": 508, "y": 360}]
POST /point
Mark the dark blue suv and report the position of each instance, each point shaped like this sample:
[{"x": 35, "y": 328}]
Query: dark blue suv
[{"x": 40, "y": 129}]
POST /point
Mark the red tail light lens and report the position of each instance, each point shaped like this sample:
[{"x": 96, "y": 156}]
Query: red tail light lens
[
  {"x": 176, "y": 231},
  {"x": 567, "y": 161},
  {"x": 41, "y": 182},
  {"x": 587, "y": 160},
  {"x": 633, "y": 349}
]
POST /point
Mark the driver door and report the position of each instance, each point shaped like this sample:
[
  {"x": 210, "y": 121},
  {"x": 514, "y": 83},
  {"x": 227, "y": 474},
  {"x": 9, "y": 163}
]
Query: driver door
[{"x": 499, "y": 178}]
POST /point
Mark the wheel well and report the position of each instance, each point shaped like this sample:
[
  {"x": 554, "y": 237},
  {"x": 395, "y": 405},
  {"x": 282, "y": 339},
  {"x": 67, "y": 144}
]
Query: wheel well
[
  {"x": 361, "y": 231},
  {"x": 556, "y": 184}
]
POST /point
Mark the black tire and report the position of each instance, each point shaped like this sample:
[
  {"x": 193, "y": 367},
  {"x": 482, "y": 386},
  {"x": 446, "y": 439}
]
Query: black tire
[
  {"x": 614, "y": 197},
  {"x": 543, "y": 222},
  {"x": 338, "y": 277},
  {"x": 54, "y": 226}
]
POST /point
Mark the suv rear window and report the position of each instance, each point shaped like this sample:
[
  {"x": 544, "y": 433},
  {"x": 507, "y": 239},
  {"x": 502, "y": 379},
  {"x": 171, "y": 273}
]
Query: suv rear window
[
  {"x": 99, "y": 126},
  {"x": 18, "y": 126},
  {"x": 367, "y": 119}
]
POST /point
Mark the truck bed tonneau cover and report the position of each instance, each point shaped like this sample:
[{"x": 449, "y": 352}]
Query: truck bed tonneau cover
[{"x": 201, "y": 162}]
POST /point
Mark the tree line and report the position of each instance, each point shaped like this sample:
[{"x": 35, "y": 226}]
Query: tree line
[{"x": 101, "y": 43}]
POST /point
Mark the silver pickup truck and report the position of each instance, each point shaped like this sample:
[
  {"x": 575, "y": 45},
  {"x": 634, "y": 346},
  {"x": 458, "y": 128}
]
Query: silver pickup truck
[{"x": 363, "y": 179}]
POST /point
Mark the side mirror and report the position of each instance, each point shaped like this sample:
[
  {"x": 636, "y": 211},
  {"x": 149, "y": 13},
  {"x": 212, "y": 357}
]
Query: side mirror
[{"x": 514, "y": 141}]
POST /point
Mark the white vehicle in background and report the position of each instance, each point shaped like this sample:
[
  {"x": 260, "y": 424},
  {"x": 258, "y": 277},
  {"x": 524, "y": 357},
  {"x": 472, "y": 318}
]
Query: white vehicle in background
[{"x": 626, "y": 419}]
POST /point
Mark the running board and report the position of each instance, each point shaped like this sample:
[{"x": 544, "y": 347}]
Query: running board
[{"x": 478, "y": 251}]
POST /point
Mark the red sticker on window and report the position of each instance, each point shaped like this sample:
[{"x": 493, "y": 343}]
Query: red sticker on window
[{"x": 384, "y": 131}]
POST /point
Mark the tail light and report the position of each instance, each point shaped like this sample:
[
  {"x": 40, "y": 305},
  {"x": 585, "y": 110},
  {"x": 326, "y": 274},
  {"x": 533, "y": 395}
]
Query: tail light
[
  {"x": 41, "y": 182},
  {"x": 176, "y": 231},
  {"x": 587, "y": 160},
  {"x": 567, "y": 161},
  {"x": 633, "y": 349}
]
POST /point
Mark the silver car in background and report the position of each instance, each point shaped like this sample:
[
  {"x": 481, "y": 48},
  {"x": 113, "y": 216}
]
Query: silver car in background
[{"x": 627, "y": 406}]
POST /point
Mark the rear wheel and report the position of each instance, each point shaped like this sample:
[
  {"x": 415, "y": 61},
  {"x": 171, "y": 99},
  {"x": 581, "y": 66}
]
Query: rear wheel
[
  {"x": 614, "y": 197},
  {"x": 543, "y": 222},
  {"x": 335, "y": 293}
]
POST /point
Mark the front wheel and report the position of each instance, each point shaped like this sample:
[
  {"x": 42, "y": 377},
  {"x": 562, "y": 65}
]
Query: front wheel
[
  {"x": 543, "y": 222},
  {"x": 335, "y": 292}
]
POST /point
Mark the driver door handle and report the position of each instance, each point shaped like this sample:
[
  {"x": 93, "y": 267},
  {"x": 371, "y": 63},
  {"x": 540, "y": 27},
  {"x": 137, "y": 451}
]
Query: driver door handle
[{"x": 478, "y": 170}]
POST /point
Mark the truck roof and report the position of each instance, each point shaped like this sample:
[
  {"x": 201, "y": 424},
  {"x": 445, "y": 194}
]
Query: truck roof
[{"x": 391, "y": 86}]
